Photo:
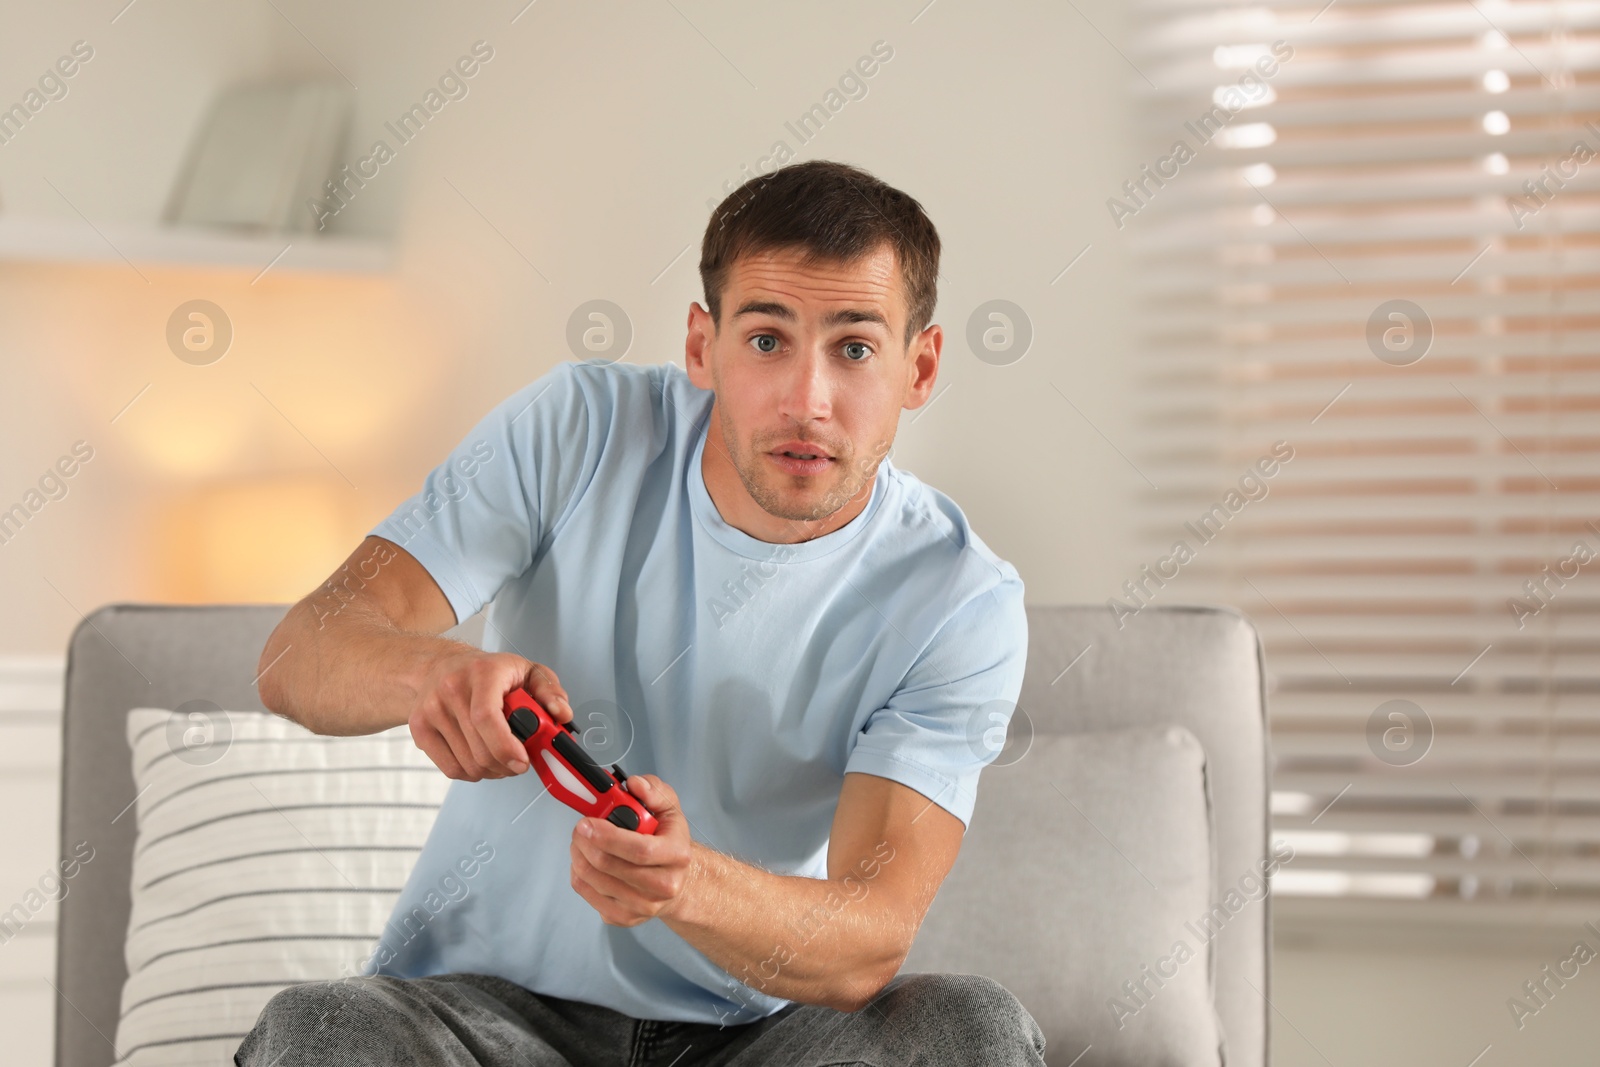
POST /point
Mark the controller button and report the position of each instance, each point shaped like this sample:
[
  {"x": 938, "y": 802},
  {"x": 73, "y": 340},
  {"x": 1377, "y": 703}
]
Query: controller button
[
  {"x": 581, "y": 762},
  {"x": 523, "y": 723},
  {"x": 624, "y": 817}
]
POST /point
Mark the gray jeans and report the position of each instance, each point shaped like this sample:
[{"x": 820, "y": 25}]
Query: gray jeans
[{"x": 468, "y": 1020}]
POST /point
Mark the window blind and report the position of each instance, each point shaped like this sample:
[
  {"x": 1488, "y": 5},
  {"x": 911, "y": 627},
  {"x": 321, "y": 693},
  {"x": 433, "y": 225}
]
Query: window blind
[{"x": 1375, "y": 273}]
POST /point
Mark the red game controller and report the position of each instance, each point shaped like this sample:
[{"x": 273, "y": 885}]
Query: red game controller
[{"x": 571, "y": 773}]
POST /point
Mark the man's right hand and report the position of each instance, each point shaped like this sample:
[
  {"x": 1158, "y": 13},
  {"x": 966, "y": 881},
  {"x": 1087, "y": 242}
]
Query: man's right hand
[
  {"x": 460, "y": 722},
  {"x": 365, "y": 652}
]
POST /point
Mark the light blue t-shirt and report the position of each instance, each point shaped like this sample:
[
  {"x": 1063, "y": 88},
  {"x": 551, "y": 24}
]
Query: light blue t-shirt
[{"x": 750, "y": 676}]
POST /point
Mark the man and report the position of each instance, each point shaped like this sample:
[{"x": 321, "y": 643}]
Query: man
[{"x": 798, "y": 658}]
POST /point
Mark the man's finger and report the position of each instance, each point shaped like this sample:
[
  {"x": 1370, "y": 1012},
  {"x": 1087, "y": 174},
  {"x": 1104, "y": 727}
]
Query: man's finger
[
  {"x": 468, "y": 750},
  {"x": 488, "y": 721},
  {"x": 653, "y": 793},
  {"x": 618, "y": 901},
  {"x": 545, "y": 688},
  {"x": 662, "y": 800},
  {"x": 604, "y": 906},
  {"x": 434, "y": 747},
  {"x": 641, "y": 850},
  {"x": 603, "y": 882}
]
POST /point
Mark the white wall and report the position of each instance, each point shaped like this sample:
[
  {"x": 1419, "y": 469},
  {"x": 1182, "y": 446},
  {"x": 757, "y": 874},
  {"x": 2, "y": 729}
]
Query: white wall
[{"x": 1421, "y": 1000}]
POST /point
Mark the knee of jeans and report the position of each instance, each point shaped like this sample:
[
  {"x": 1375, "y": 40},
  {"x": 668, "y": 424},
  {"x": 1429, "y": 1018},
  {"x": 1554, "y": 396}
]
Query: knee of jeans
[
  {"x": 972, "y": 1006},
  {"x": 332, "y": 1006}
]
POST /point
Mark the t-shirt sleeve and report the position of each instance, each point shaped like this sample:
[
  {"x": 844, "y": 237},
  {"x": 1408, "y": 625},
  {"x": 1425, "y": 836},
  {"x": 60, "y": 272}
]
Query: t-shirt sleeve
[
  {"x": 484, "y": 513},
  {"x": 948, "y": 719}
]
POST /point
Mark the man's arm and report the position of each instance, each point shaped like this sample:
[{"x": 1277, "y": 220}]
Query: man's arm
[
  {"x": 834, "y": 941},
  {"x": 362, "y": 653}
]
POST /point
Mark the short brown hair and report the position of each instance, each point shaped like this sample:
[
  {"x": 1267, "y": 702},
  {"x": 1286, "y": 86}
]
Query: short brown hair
[{"x": 833, "y": 213}]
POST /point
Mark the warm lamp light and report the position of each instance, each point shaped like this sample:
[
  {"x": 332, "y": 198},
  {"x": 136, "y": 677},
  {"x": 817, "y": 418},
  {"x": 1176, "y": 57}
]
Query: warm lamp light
[{"x": 261, "y": 540}]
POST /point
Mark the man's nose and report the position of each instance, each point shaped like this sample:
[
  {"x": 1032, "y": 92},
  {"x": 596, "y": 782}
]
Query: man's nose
[{"x": 808, "y": 392}]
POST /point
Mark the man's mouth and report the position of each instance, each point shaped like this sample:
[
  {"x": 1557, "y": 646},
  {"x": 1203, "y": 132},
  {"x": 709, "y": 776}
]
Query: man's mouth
[
  {"x": 801, "y": 458},
  {"x": 800, "y": 450}
]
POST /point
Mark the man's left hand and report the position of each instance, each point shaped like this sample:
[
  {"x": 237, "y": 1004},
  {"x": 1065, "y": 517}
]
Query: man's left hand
[{"x": 629, "y": 877}]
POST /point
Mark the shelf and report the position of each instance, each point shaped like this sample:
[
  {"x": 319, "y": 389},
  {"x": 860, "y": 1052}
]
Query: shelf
[{"x": 25, "y": 240}]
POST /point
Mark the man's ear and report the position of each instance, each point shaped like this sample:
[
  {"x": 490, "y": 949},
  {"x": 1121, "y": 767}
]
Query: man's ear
[
  {"x": 923, "y": 365},
  {"x": 699, "y": 331}
]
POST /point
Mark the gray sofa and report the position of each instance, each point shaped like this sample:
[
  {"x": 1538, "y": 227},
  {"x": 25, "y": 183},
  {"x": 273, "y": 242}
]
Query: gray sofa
[{"x": 1196, "y": 667}]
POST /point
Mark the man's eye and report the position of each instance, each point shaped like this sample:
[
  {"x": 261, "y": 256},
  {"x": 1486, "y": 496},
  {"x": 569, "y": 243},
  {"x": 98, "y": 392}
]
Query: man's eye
[
  {"x": 758, "y": 338},
  {"x": 866, "y": 350}
]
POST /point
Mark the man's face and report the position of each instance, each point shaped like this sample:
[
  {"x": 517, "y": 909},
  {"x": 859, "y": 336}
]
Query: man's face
[{"x": 811, "y": 354}]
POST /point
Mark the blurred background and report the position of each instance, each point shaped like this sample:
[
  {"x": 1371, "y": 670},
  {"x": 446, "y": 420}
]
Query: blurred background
[{"x": 1288, "y": 306}]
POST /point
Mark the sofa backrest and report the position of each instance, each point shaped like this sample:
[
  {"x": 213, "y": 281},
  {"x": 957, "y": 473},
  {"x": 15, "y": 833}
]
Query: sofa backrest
[
  {"x": 127, "y": 656},
  {"x": 1195, "y": 666}
]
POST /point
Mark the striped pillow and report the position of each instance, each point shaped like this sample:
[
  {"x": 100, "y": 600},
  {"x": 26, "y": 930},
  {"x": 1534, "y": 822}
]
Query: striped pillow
[{"x": 266, "y": 855}]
